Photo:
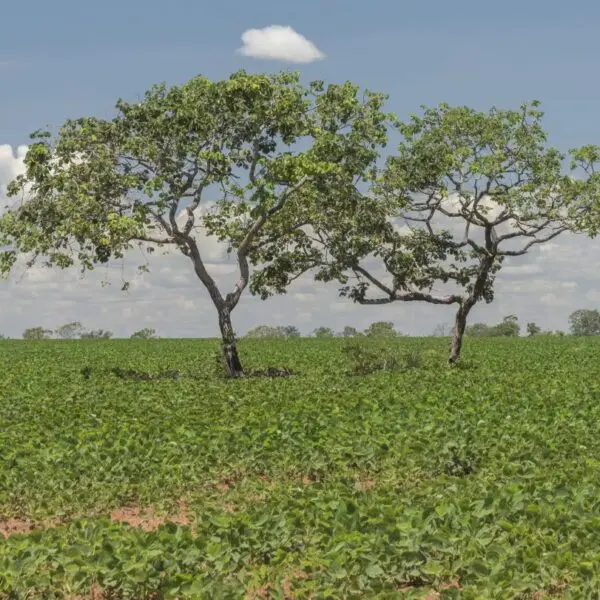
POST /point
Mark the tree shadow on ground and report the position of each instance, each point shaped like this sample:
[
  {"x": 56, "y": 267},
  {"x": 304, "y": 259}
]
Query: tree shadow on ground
[{"x": 174, "y": 375}]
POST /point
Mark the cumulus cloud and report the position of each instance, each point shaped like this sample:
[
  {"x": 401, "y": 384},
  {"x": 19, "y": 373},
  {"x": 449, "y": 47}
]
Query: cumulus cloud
[{"x": 277, "y": 42}]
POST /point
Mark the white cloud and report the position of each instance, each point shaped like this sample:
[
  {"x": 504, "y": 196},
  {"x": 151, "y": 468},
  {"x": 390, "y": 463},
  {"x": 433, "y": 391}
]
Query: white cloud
[
  {"x": 553, "y": 300},
  {"x": 11, "y": 165},
  {"x": 521, "y": 270},
  {"x": 277, "y": 42},
  {"x": 593, "y": 296},
  {"x": 304, "y": 298}
]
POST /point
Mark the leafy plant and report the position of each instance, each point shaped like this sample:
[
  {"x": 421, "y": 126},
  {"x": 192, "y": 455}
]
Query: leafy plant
[
  {"x": 369, "y": 359},
  {"x": 418, "y": 482}
]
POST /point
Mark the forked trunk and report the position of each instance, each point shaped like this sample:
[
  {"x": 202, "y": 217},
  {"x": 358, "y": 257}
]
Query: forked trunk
[
  {"x": 460, "y": 324},
  {"x": 231, "y": 358}
]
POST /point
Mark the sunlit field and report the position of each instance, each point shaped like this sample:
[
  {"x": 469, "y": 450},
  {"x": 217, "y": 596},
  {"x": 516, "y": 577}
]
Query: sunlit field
[{"x": 162, "y": 480}]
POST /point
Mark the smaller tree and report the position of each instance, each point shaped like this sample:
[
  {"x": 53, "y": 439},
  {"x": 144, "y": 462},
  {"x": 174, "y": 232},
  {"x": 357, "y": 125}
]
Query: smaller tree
[
  {"x": 585, "y": 322},
  {"x": 323, "y": 332},
  {"x": 265, "y": 331},
  {"x": 381, "y": 329},
  {"x": 533, "y": 329},
  {"x": 96, "y": 334},
  {"x": 69, "y": 331},
  {"x": 290, "y": 331},
  {"x": 509, "y": 327},
  {"x": 144, "y": 334},
  {"x": 37, "y": 333},
  {"x": 350, "y": 332},
  {"x": 464, "y": 192},
  {"x": 479, "y": 330}
]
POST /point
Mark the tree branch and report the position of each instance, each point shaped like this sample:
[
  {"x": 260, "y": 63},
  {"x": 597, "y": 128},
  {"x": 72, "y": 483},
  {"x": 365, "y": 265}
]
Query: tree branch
[
  {"x": 243, "y": 249},
  {"x": 532, "y": 243},
  {"x": 398, "y": 296}
]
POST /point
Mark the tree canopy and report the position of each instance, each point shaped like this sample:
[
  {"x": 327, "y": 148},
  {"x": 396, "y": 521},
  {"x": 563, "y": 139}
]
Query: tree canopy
[
  {"x": 464, "y": 191},
  {"x": 244, "y": 147}
]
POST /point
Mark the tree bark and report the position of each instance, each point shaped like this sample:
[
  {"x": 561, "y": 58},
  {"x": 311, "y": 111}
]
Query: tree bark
[
  {"x": 230, "y": 353},
  {"x": 460, "y": 324}
]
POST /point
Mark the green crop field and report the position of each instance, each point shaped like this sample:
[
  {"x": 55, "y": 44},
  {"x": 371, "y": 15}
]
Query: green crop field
[{"x": 481, "y": 481}]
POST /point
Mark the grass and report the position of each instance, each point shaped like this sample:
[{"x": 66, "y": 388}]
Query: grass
[{"x": 481, "y": 481}]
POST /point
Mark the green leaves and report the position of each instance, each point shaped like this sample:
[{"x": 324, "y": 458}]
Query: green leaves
[
  {"x": 483, "y": 480},
  {"x": 464, "y": 190},
  {"x": 257, "y": 144}
]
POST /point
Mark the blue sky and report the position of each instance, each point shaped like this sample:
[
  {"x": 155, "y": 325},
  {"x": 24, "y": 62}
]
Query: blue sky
[
  {"x": 65, "y": 59},
  {"x": 68, "y": 58}
]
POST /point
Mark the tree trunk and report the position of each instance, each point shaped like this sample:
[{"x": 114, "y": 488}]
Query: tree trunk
[
  {"x": 233, "y": 364},
  {"x": 460, "y": 324}
]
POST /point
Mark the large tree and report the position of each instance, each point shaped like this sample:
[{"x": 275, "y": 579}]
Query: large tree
[
  {"x": 250, "y": 144},
  {"x": 464, "y": 191}
]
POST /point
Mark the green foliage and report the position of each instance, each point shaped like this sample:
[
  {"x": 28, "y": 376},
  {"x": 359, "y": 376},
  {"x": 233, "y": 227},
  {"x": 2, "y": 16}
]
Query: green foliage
[
  {"x": 266, "y": 331},
  {"x": 256, "y": 144},
  {"x": 533, "y": 329},
  {"x": 290, "y": 331},
  {"x": 69, "y": 331},
  {"x": 508, "y": 327},
  {"x": 146, "y": 333},
  {"x": 464, "y": 190},
  {"x": 381, "y": 329},
  {"x": 37, "y": 333},
  {"x": 350, "y": 331},
  {"x": 96, "y": 334},
  {"x": 323, "y": 332},
  {"x": 318, "y": 485},
  {"x": 365, "y": 359},
  {"x": 585, "y": 322}
]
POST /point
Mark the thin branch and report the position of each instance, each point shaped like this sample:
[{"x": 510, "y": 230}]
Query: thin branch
[
  {"x": 533, "y": 243},
  {"x": 153, "y": 240}
]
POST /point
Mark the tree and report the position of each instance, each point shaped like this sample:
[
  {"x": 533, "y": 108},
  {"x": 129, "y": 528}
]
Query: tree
[
  {"x": 323, "y": 332},
  {"x": 479, "y": 330},
  {"x": 96, "y": 334},
  {"x": 585, "y": 322},
  {"x": 509, "y": 327},
  {"x": 144, "y": 334},
  {"x": 349, "y": 331},
  {"x": 102, "y": 186},
  {"x": 533, "y": 329},
  {"x": 464, "y": 191},
  {"x": 37, "y": 333},
  {"x": 264, "y": 331},
  {"x": 381, "y": 329},
  {"x": 290, "y": 331},
  {"x": 69, "y": 331}
]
